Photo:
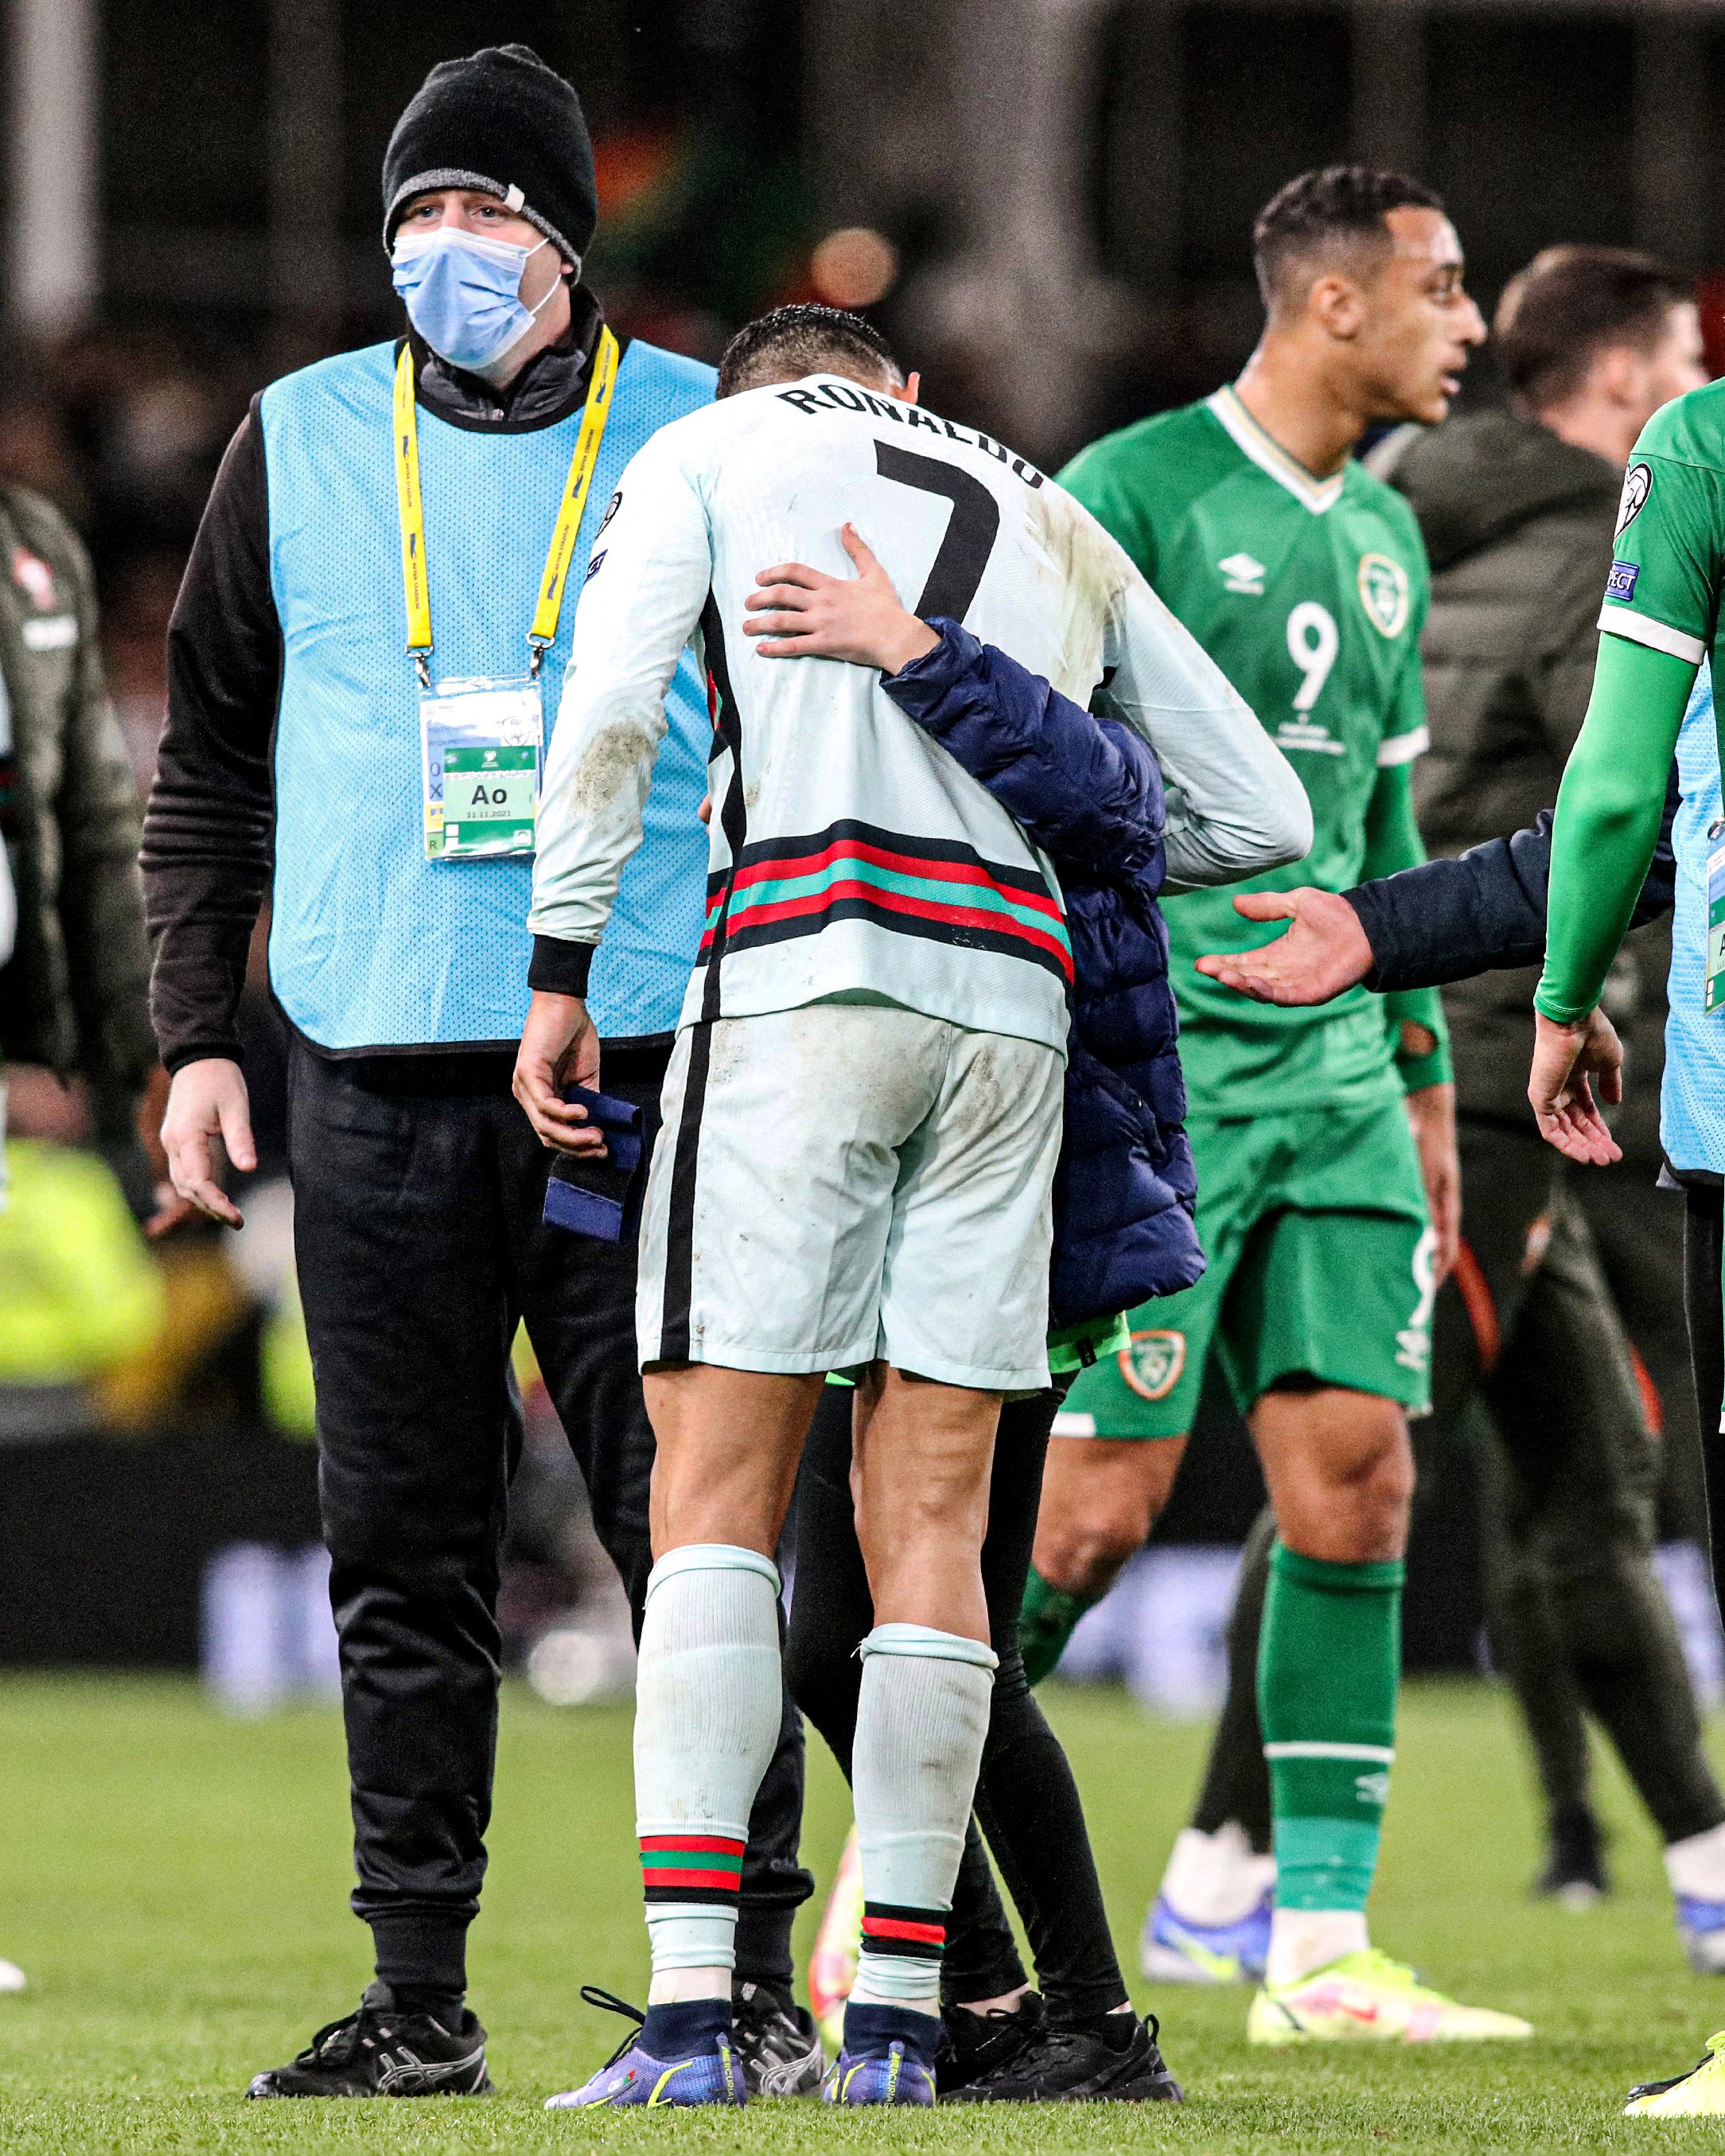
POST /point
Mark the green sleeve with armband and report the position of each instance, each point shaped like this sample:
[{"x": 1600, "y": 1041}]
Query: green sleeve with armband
[
  {"x": 1392, "y": 843},
  {"x": 1607, "y": 817}
]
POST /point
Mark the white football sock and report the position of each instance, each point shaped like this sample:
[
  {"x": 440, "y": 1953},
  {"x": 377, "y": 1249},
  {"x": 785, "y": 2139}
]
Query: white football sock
[
  {"x": 921, "y": 1718},
  {"x": 708, "y": 1702},
  {"x": 1215, "y": 1878},
  {"x": 1302, "y": 1940},
  {"x": 1696, "y": 1866}
]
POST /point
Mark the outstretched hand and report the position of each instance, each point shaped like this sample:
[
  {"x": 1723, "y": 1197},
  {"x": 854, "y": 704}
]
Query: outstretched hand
[
  {"x": 1569, "y": 1061},
  {"x": 799, "y": 612},
  {"x": 1325, "y": 951}
]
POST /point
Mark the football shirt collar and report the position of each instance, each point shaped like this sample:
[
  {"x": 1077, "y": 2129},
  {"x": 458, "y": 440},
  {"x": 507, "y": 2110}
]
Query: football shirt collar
[{"x": 1317, "y": 494}]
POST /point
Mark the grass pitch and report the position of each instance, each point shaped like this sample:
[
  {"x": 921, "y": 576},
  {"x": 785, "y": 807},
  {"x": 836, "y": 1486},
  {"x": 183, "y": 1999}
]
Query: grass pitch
[{"x": 175, "y": 1884}]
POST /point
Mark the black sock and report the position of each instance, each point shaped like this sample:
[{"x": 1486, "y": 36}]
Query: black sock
[
  {"x": 869, "y": 2030},
  {"x": 780, "y": 1996},
  {"x": 691, "y": 2024},
  {"x": 447, "y": 2008}
]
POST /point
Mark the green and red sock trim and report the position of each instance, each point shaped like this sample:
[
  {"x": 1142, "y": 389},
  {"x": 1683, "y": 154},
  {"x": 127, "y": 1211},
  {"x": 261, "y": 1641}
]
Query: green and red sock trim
[
  {"x": 889, "y": 1928},
  {"x": 691, "y": 1867}
]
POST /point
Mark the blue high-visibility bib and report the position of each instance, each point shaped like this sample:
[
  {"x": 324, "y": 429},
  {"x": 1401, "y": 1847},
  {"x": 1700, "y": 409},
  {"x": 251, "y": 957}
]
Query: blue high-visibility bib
[{"x": 372, "y": 945}]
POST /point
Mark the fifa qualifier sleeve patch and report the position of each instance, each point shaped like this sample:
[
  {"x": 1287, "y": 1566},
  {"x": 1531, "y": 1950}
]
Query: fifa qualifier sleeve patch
[
  {"x": 1637, "y": 485},
  {"x": 1660, "y": 590}
]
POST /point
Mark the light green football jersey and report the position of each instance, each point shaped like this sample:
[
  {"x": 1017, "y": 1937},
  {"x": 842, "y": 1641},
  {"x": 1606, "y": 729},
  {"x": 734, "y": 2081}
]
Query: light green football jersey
[
  {"x": 1309, "y": 595},
  {"x": 1668, "y": 566}
]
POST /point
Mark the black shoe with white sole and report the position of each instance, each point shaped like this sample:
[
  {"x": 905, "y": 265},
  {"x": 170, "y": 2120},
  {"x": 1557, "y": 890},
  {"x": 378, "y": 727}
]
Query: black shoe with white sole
[
  {"x": 776, "y": 2040},
  {"x": 381, "y": 2051}
]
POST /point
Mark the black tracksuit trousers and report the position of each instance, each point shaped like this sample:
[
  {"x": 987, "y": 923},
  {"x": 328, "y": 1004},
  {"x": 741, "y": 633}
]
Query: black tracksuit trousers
[{"x": 418, "y": 1185}]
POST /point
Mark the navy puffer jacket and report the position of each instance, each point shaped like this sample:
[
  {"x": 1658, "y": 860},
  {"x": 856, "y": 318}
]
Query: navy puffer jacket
[{"x": 1089, "y": 792}]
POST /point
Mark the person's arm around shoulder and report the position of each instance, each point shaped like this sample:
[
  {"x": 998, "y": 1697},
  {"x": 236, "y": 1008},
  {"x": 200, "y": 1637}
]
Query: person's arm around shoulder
[
  {"x": 1081, "y": 788},
  {"x": 647, "y": 582}
]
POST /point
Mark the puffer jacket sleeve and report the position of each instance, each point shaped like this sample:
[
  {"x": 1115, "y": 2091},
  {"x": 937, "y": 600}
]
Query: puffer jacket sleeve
[{"x": 1086, "y": 789}]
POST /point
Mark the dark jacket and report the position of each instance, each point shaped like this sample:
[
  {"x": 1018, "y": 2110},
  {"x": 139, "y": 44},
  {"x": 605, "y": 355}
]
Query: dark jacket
[
  {"x": 1517, "y": 525},
  {"x": 1483, "y": 910},
  {"x": 73, "y": 994},
  {"x": 1089, "y": 792}
]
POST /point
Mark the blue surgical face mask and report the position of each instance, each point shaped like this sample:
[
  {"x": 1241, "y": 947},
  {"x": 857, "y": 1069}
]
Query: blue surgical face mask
[{"x": 462, "y": 292}]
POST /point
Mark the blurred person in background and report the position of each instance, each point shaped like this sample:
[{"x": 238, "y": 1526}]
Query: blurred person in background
[
  {"x": 354, "y": 627},
  {"x": 73, "y": 987},
  {"x": 1517, "y": 509}
]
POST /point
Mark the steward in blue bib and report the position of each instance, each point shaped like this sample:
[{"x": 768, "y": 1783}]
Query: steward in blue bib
[{"x": 364, "y": 669}]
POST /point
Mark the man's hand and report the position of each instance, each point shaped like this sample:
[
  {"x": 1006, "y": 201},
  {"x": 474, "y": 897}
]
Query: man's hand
[
  {"x": 558, "y": 1048},
  {"x": 206, "y": 1105},
  {"x": 1431, "y": 1115},
  {"x": 805, "y": 613},
  {"x": 1325, "y": 951},
  {"x": 1568, "y": 1061}
]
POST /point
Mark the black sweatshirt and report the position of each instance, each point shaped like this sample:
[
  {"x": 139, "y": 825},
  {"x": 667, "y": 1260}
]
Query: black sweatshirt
[
  {"x": 1448, "y": 920},
  {"x": 209, "y": 829}
]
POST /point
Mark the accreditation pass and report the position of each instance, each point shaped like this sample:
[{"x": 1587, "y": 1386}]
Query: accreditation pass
[
  {"x": 481, "y": 745},
  {"x": 1716, "y": 930}
]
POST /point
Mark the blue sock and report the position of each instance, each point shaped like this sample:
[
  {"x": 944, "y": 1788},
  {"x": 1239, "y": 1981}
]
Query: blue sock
[
  {"x": 691, "y": 2025},
  {"x": 869, "y": 2031}
]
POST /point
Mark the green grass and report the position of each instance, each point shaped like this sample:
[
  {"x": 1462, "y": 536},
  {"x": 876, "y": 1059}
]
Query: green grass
[{"x": 175, "y": 1884}]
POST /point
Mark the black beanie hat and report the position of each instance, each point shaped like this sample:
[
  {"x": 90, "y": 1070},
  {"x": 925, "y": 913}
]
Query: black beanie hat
[{"x": 503, "y": 121}]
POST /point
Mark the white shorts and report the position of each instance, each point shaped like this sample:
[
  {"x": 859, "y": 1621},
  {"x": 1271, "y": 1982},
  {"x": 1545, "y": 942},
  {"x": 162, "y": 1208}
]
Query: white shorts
[{"x": 845, "y": 1183}]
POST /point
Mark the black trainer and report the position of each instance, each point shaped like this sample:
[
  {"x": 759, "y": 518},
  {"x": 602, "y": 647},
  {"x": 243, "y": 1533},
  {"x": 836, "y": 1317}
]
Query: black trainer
[
  {"x": 1078, "y": 2062},
  {"x": 777, "y": 2042},
  {"x": 973, "y": 2046},
  {"x": 379, "y": 2051}
]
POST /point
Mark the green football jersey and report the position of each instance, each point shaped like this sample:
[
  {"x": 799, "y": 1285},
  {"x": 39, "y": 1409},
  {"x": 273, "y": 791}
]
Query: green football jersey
[
  {"x": 1309, "y": 594},
  {"x": 1663, "y": 589}
]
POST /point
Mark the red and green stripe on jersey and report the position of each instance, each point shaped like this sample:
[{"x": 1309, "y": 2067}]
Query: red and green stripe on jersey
[
  {"x": 911, "y": 1934},
  {"x": 691, "y": 1867},
  {"x": 939, "y": 889}
]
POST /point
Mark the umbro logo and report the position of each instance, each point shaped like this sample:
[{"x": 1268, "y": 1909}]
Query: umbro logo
[{"x": 1241, "y": 573}]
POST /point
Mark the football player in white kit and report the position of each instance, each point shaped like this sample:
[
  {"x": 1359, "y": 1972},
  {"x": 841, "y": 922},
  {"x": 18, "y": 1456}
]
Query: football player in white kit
[{"x": 861, "y": 1114}]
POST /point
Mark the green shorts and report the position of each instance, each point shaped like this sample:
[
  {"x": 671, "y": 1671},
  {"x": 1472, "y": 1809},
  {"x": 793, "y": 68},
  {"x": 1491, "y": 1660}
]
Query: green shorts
[{"x": 1320, "y": 1250}]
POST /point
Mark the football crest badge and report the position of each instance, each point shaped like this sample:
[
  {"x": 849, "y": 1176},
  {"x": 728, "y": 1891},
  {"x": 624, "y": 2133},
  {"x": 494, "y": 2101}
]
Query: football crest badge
[
  {"x": 1384, "y": 593},
  {"x": 1151, "y": 1362}
]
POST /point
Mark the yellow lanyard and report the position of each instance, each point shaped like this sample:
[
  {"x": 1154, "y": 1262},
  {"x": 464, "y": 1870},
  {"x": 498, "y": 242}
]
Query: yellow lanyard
[{"x": 411, "y": 504}]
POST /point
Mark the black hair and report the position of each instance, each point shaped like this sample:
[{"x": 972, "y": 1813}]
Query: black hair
[
  {"x": 1340, "y": 204},
  {"x": 805, "y": 339},
  {"x": 1571, "y": 303}
]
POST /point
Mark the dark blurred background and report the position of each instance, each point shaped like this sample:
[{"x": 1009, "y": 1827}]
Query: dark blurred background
[{"x": 1045, "y": 204}]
